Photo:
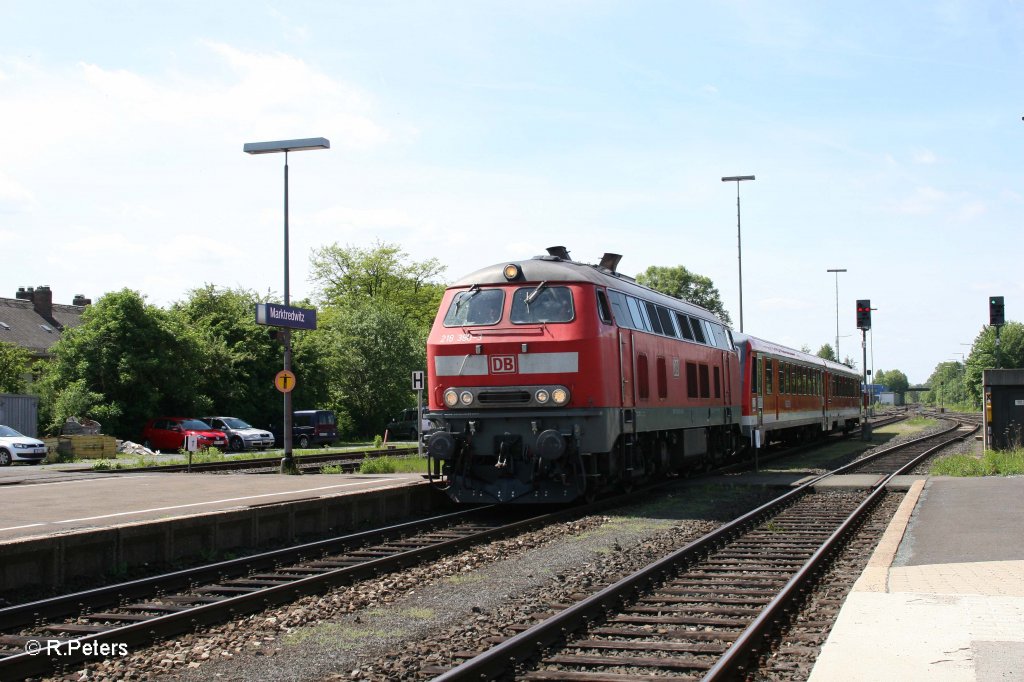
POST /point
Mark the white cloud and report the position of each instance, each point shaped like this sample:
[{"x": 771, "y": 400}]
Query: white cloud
[{"x": 925, "y": 156}]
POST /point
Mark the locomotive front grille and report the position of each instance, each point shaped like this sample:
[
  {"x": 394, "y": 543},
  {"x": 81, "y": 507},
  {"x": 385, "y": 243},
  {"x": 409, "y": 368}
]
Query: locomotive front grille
[{"x": 517, "y": 397}]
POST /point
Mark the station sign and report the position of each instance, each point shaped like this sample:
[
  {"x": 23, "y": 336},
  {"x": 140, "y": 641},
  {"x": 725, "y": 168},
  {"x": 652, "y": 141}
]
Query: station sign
[{"x": 275, "y": 315}]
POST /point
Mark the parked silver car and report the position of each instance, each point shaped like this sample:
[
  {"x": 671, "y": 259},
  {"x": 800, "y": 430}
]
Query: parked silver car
[{"x": 240, "y": 434}]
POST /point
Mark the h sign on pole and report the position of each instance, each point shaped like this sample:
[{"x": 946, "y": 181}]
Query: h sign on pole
[{"x": 417, "y": 385}]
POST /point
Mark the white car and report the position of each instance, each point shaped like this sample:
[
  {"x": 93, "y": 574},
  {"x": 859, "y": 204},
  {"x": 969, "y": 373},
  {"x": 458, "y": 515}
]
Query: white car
[{"x": 15, "y": 447}]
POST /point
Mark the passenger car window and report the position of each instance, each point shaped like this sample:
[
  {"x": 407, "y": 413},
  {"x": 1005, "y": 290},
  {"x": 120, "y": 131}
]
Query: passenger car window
[
  {"x": 542, "y": 304},
  {"x": 476, "y": 306}
]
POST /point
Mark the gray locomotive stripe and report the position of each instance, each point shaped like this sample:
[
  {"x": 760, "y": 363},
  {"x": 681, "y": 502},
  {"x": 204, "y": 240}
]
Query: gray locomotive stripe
[
  {"x": 527, "y": 363},
  {"x": 460, "y": 365},
  {"x": 548, "y": 363}
]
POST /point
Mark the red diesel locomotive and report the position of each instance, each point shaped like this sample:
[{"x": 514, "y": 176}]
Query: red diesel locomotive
[{"x": 556, "y": 380}]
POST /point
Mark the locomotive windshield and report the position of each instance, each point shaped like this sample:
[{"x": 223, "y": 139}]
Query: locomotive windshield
[
  {"x": 542, "y": 304},
  {"x": 476, "y": 306}
]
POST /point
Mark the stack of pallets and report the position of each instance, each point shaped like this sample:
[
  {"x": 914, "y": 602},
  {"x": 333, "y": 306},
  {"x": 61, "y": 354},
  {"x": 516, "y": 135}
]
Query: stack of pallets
[{"x": 87, "y": 447}]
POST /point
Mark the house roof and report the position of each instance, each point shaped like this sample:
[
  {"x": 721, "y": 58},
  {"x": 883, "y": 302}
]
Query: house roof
[{"x": 21, "y": 325}]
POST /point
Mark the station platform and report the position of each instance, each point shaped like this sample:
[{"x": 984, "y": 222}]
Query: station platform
[
  {"x": 61, "y": 526},
  {"x": 942, "y": 598}
]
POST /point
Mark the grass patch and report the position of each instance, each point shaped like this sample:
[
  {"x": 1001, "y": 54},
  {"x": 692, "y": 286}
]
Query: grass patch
[
  {"x": 992, "y": 463},
  {"x": 331, "y": 469},
  {"x": 394, "y": 465}
]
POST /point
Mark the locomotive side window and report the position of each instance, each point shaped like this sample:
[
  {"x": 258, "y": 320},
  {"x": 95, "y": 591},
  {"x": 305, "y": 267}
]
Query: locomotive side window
[
  {"x": 621, "y": 310},
  {"x": 691, "y": 379},
  {"x": 662, "y": 378},
  {"x": 642, "y": 382},
  {"x": 709, "y": 333},
  {"x": 665, "y": 317},
  {"x": 638, "y": 319},
  {"x": 705, "y": 389},
  {"x": 652, "y": 315},
  {"x": 542, "y": 303},
  {"x": 603, "y": 310},
  {"x": 475, "y": 307},
  {"x": 684, "y": 326},
  {"x": 698, "y": 330},
  {"x": 718, "y": 382}
]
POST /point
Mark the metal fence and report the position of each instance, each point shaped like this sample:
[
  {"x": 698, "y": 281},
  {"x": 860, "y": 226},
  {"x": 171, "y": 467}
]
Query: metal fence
[{"x": 20, "y": 412}]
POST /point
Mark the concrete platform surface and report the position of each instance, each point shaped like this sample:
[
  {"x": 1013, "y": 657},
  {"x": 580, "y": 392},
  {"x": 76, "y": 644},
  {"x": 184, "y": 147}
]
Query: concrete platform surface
[
  {"x": 942, "y": 598},
  {"x": 74, "y": 502}
]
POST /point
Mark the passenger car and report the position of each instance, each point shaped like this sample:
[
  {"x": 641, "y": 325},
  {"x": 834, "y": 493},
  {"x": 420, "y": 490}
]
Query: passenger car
[
  {"x": 314, "y": 427},
  {"x": 403, "y": 426},
  {"x": 15, "y": 447},
  {"x": 240, "y": 434},
  {"x": 169, "y": 433}
]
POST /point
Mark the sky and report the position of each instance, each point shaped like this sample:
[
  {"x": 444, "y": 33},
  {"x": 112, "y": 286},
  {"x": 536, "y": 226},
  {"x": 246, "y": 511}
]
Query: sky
[{"x": 886, "y": 138}]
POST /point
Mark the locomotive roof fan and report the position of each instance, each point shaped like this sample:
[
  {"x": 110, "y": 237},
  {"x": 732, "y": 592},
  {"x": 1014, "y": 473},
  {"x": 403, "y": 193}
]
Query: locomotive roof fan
[{"x": 610, "y": 261}]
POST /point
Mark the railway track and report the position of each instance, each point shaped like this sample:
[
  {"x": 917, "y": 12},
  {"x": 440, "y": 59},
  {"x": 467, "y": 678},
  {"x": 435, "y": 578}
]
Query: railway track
[
  {"x": 706, "y": 611},
  {"x": 141, "y": 611}
]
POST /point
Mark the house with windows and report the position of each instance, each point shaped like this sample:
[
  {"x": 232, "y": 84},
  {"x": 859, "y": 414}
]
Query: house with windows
[{"x": 34, "y": 322}]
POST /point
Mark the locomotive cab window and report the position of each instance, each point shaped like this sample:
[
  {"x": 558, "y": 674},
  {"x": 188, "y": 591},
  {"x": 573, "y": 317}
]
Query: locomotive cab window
[
  {"x": 604, "y": 311},
  {"x": 475, "y": 307},
  {"x": 542, "y": 303}
]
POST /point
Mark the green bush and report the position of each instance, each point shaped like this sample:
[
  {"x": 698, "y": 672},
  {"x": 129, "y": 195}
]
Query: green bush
[
  {"x": 378, "y": 465},
  {"x": 331, "y": 469},
  {"x": 378, "y": 442}
]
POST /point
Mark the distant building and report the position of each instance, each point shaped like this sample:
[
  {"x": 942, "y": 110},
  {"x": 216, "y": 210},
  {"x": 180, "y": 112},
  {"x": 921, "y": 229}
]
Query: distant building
[
  {"x": 890, "y": 398},
  {"x": 34, "y": 322}
]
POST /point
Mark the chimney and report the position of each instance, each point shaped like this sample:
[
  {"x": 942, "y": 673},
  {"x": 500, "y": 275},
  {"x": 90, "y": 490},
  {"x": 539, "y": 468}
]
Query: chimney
[
  {"x": 42, "y": 301},
  {"x": 23, "y": 295},
  {"x": 81, "y": 301}
]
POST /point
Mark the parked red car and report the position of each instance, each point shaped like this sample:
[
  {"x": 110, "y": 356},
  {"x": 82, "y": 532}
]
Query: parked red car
[{"x": 169, "y": 433}]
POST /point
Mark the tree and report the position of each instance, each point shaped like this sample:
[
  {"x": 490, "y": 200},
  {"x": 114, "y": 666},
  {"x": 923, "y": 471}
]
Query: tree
[
  {"x": 895, "y": 380},
  {"x": 127, "y": 362},
  {"x": 382, "y": 274},
  {"x": 983, "y": 355},
  {"x": 15, "y": 366},
  {"x": 239, "y": 356},
  {"x": 827, "y": 352},
  {"x": 373, "y": 351},
  {"x": 681, "y": 283}
]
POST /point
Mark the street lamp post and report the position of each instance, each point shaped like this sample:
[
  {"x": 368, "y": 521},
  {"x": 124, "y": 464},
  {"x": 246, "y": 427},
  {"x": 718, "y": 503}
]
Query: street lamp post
[
  {"x": 739, "y": 243},
  {"x": 288, "y": 465},
  {"x": 837, "y": 271}
]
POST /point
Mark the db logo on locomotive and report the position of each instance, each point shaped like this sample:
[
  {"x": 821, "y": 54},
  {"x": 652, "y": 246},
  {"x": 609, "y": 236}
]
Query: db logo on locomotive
[{"x": 503, "y": 364}]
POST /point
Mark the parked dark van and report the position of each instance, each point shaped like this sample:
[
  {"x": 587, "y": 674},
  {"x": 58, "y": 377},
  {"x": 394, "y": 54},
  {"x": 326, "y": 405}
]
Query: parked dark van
[{"x": 314, "y": 427}]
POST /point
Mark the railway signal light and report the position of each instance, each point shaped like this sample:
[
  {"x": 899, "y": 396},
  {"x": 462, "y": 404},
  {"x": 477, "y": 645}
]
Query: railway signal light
[
  {"x": 995, "y": 311},
  {"x": 863, "y": 313}
]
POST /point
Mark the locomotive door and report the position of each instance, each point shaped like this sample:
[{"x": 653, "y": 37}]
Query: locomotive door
[{"x": 626, "y": 368}]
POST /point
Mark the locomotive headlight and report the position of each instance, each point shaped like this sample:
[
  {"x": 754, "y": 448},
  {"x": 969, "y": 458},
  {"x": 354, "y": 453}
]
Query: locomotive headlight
[
  {"x": 560, "y": 396},
  {"x": 466, "y": 397},
  {"x": 511, "y": 271},
  {"x": 451, "y": 398},
  {"x": 542, "y": 396}
]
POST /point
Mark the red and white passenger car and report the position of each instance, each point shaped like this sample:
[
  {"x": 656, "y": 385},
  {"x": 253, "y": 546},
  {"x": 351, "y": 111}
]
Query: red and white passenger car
[{"x": 790, "y": 395}]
